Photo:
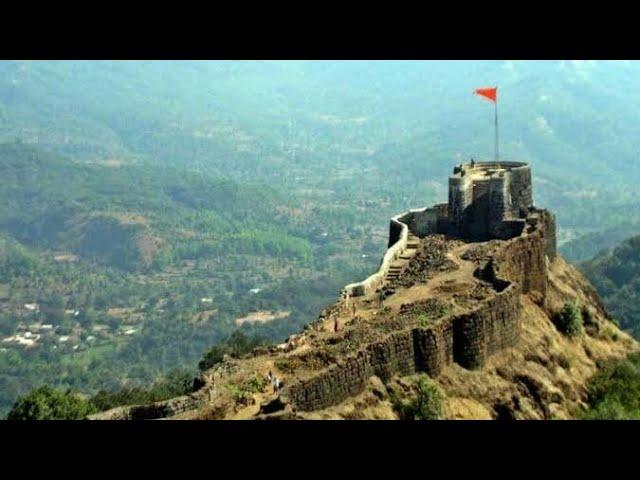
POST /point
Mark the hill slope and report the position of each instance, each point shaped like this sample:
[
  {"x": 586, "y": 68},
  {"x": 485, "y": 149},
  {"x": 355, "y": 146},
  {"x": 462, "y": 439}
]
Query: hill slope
[
  {"x": 543, "y": 377},
  {"x": 440, "y": 310},
  {"x": 616, "y": 275}
]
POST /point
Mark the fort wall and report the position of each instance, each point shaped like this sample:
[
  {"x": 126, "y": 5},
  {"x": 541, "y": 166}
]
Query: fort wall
[
  {"x": 425, "y": 221},
  {"x": 467, "y": 339},
  {"x": 482, "y": 202},
  {"x": 518, "y": 266},
  {"x": 419, "y": 222},
  {"x": 399, "y": 232},
  {"x": 403, "y": 353},
  {"x": 486, "y": 200},
  {"x": 494, "y": 326}
]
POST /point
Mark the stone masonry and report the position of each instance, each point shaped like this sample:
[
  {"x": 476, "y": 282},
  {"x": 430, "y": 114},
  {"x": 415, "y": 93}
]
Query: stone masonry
[{"x": 486, "y": 200}]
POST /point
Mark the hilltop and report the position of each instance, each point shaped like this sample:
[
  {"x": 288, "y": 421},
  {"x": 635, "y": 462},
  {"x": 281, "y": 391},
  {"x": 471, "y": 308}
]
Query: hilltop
[
  {"x": 542, "y": 376},
  {"x": 471, "y": 293}
]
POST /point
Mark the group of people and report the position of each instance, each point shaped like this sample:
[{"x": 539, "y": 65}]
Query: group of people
[{"x": 275, "y": 382}]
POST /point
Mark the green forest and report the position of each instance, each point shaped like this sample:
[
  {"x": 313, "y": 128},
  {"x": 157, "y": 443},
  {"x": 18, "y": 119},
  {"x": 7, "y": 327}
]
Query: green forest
[{"x": 616, "y": 276}]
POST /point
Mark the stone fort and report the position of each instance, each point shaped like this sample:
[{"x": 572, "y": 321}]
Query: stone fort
[
  {"x": 487, "y": 200},
  {"x": 500, "y": 241}
]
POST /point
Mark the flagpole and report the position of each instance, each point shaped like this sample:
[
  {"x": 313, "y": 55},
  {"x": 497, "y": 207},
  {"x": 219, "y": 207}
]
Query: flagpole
[
  {"x": 492, "y": 94},
  {"x": 496, "y": 123}
]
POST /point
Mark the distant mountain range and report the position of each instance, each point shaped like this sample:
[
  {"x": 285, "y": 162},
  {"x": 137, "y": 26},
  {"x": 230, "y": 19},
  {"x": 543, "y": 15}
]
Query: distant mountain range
[{"x": 365, "y": 128}]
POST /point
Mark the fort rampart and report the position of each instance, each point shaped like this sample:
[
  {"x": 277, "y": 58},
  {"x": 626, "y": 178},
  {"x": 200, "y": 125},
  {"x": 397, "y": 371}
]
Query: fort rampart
[
  {"x": 400, "y": 232},
  {"x": 486, "y": 200},
  {"x": 518, "y": 266},
  {"x": 420, "y": 223}
]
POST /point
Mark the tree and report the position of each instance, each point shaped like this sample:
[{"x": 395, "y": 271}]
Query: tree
[
  {"x": 86, "y": 317},
  {"x": 236, "y": 345},
  {"x": 8, "y": 324},
  {"x": 426, "y": 404},
  {"x": 47, "y": 403},
  {"x": 614, "y": 392}
]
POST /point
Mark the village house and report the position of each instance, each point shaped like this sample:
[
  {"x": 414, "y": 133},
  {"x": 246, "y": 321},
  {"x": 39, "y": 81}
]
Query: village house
[{"x": 32, "y": 307}]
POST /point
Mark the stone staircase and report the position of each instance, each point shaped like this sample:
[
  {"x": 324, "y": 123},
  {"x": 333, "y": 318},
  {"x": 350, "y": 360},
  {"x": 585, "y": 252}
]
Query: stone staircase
[{"x": 396, "y": 268}]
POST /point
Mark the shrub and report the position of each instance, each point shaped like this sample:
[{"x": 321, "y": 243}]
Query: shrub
[
  {"x": 211, "y": 357},
  {"x": 610, "y": 409},
  {"x": 587, "y": 318},
  {"x": 425, "y": 404},
  {"x": 240, "y": 395},
  {"x": 591, "y": 325},
  {"x": 564, "y": 361},
  {"x": 284, "y": 365},
  {"x": 569, "y": 320},
  {"x": 423, "y": 320},
  {"x": 257, "y": 384}
]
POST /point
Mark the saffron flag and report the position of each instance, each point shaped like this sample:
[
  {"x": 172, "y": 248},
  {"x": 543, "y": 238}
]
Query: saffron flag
[{"x": 490, "y": 93}]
